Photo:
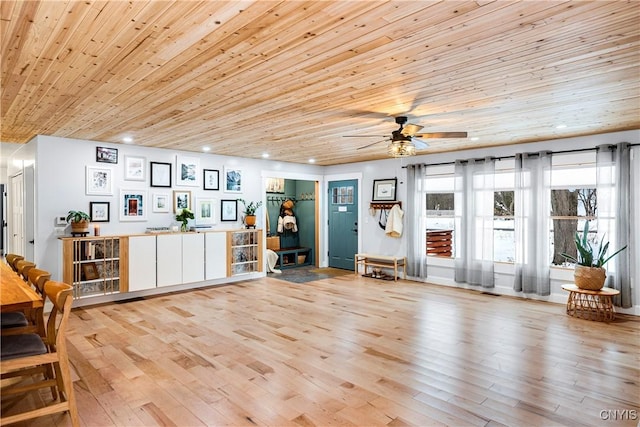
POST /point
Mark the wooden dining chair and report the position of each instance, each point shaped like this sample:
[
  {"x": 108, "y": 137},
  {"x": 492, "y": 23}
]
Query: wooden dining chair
[
  {"x": 22, "y": 268},
  {"x": 12, "y": 259},
  {"x": 29, "y": 320},
  {"x": 20, "y": 322},
  {"x": 29, "y": 355}
]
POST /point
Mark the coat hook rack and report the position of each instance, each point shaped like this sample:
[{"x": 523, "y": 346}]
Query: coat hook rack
[{"x": 384, "y": 205}]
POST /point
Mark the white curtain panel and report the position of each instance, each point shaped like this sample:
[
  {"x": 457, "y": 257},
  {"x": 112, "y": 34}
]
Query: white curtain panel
[
  {"x": 613, "y": 164},
  {"x": 474, "y": 188},
  {"x": 415, "y": 215},
  {"x": 532, "y": 202}
]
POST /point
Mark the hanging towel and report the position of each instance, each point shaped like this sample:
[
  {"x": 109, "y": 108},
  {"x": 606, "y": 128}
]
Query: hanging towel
[
  {"x": 394, "y": 222},
  {"x": 272, "y": 259}
]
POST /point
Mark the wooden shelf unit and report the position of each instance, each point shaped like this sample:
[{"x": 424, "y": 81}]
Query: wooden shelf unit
[
  {"x": 244, "y": 252},
  {"x": 96, "y": 266}
]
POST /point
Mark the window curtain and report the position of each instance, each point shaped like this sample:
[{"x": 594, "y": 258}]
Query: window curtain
[
  {"x": 416, "y": 221},
  {"x": 613, "y": 180},
  {"x": 532, "y": 202},
  {"x": 474, "y": 188}
]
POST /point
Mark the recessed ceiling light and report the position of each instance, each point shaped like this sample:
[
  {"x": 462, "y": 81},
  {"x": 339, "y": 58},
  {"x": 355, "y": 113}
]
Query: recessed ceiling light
[
  {"x": 312, "y": 160},
  {"x": 265, "y": 155},
  {"x": 561, "y": 126},
  {"x": 206, "y": 148},
  {"x": 127, "y": 140},
  {"x": 474, "y": 138}
]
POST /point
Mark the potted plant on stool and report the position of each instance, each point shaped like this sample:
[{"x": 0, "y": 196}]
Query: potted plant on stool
[
  {"x": 250, "y": 212},
  {"x": 79, "y": 222},
  {"x": 589, "y": 271}
]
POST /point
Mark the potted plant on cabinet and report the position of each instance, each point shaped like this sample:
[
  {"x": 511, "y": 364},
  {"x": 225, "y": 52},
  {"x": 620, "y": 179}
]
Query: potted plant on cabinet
[
  {"x": 589, "y": 271},
  {"x": 79, "y": 221},
  {"x": 250, "y": 212},
  {"x": 184, "y": 216}
]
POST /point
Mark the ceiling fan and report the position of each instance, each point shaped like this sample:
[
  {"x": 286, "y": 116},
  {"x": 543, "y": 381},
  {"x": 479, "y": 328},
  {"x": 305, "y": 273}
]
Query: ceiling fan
[{"x": 405, "y": 140}]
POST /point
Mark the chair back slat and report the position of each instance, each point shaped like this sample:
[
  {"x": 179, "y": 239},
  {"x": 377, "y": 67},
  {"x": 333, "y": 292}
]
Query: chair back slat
[
  {"x": 37, "y": 279},
  {"x": 61, "y": 295},
  {"x": 12, "y": 259}
]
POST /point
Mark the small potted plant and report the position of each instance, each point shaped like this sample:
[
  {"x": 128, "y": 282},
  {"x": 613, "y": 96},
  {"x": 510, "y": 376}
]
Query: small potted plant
[
  {"x": 589, "y": 271},
  {"x": 250, "y": 212},
  {"x": 184, "y": 216},
  {"x": 79, "y": 221}
]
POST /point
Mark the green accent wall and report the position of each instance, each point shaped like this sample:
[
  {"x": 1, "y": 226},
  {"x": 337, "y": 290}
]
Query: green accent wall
[{"x": 304, "y": 211}]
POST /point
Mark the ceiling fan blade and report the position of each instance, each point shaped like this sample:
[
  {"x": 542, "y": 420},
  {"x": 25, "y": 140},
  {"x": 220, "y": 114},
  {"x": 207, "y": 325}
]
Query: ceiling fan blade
[
  {"x": 410, "y": 129},
  {"x": 420, "y": 145},
  {"x": 363, "y": 136},
  {"x": 442, "y": 135},
  {"x": 369, "y": 145}
]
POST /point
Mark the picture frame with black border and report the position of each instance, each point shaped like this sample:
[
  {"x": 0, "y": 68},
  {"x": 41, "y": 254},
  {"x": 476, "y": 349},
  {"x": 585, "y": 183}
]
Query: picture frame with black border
[
  {"x": 99, "y": 211},
  {"x": 228, "y": 210},
  {"x": 181, "y": 200},
  {"x": 106, "y": 155},
  {"x": 211, "y": 179},
  {"x": 160, "y": 174},
  {"x": 384, "y": 190}
]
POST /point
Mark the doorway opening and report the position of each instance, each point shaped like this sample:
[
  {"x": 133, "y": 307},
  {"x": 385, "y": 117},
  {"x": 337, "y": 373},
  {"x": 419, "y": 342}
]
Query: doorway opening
[{"x": 292, "y": 221}]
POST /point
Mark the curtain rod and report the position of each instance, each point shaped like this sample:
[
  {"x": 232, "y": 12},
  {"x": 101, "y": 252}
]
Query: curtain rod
[{"x": 576, "y": 150}]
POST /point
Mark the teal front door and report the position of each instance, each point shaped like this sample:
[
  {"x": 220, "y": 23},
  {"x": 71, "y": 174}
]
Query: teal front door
[{"x": 343, "y": 223}]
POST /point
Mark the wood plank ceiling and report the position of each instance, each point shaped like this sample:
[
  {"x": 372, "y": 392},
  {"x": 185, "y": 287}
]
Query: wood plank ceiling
[{"x": 292, "y": 78}]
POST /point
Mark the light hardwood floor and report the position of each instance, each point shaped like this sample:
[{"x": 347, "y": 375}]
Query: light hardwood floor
[{"x": 349, "y": 351}]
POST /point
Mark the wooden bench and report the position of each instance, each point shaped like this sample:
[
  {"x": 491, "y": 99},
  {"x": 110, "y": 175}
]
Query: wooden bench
[
  {"x": 290, "y": 257},
  {"x": 382, "y": 261}
]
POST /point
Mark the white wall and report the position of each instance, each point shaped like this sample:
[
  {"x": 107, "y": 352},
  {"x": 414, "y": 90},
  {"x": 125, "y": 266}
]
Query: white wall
[
  {"x": 440, "y": 270},
  {"x": 60, "y": 186},
  {"x": 60, "y": 182}
]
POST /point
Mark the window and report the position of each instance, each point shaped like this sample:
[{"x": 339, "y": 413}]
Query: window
[
  {"x": 504, "y": 245},
  {"x": 440, "y": 214},
  {"x": 573, "y": 201},
  {"x": 342, "y": 195}
]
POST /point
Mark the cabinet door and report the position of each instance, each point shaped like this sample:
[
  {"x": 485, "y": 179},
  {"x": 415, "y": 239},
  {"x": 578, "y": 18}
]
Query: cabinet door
[
  {"x": 216, "y": 255},
  {"x": 142, "y": 263},
  {"x": 169, "y": 259},
  {"x": 192, "y": 257}
]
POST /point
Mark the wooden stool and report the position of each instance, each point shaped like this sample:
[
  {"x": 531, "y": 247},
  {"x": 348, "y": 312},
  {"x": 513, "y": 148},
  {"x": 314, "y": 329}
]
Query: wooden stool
[{"x": 591, "y": 305}]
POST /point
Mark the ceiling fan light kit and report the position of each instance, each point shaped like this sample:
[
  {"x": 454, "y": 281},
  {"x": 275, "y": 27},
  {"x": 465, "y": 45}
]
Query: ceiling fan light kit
[
  {"x": 404, "y": 141},
  {"x": 401, "y": 149}
]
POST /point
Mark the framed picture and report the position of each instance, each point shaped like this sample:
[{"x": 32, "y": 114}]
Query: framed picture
[
  {"x": 99, "y": 211},
  {"x": 232, "y": 180},
  {"x": 90, "y": 271},
  {"x": 187, "y": 170},
  {"x": 181, "y": 200},
  {"x": 99, "y": 181},
  {"x": 384, "y": 190},
  {"x": 161, "y": 203},
  {"x": 228, "y": 210},
  {"x": 134, "y": 168},
  {"x": 106, "y": 155},
  {"x": 211, "y": 179},
  {"x": 160, "y": 174},
  {"x": 204, "y": 213},
  {"x": 133, "y": 205},
  {"x": 275, "y": 185}
]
